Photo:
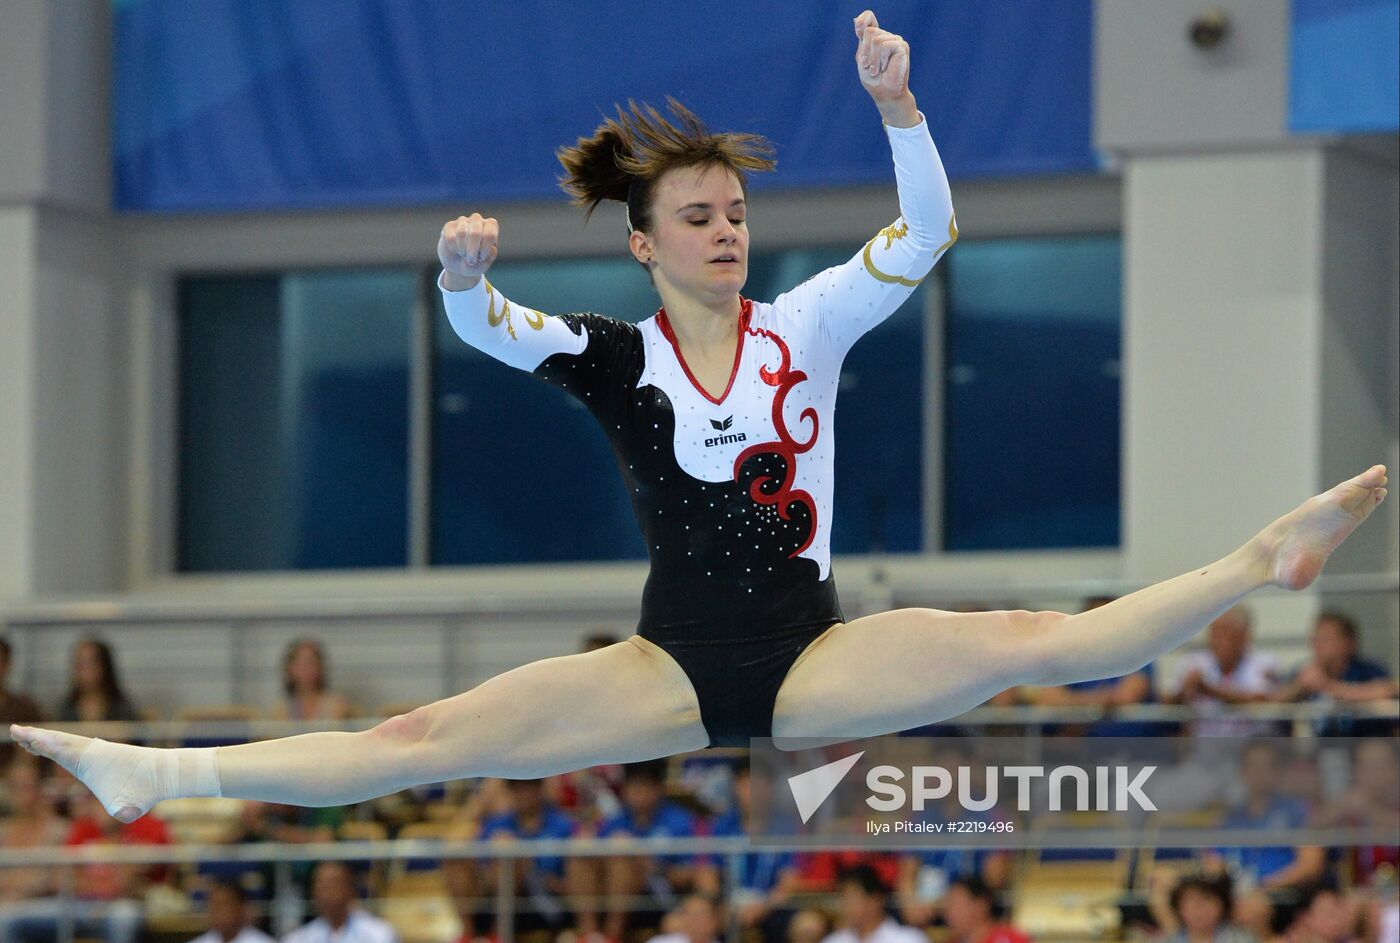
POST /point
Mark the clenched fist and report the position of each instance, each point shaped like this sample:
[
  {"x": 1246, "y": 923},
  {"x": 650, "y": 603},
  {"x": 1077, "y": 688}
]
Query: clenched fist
[
  {"x": 882, "y": 58},
  {"x": 467, "y": 247}
]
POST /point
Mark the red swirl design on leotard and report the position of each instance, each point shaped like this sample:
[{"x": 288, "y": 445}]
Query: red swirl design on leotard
[{"x": 784, "y": 378}]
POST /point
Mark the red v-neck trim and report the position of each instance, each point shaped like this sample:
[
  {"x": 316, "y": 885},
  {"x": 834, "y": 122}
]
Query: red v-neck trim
[{"x": 745, "y": 312}]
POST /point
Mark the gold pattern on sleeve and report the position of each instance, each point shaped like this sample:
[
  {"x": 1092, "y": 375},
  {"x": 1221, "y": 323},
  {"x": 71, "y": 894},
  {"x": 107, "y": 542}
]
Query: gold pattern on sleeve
[
  {"x": 952, "y": 234},
  {"x": 533, "y": 318},
  {"x": 891, "y": 233}
]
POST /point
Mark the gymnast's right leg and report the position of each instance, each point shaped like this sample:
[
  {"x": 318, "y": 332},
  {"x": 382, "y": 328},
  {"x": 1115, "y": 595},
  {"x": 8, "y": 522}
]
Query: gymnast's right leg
[{"x": 623, "y": 703}]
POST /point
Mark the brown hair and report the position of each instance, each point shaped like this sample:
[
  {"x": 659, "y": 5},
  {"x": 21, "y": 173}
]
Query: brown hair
[
  {"x": 626, "y": 156},
  {"x": 291, "y": 653}
]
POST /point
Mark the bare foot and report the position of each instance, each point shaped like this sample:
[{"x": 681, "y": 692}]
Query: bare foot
[
  {"x": 1298, "y": 544},
  {"x": 107, "y": 771}
]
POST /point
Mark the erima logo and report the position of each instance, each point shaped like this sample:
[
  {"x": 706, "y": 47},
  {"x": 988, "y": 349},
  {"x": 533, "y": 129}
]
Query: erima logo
[
  {"x": 810, "y": 789},
  {"x": 722, "y": 425}
]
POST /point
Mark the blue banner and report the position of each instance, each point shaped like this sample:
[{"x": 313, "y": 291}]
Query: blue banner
[
  {"x": 1345, "y": 66},
  {"x": 269, "y": 104}
]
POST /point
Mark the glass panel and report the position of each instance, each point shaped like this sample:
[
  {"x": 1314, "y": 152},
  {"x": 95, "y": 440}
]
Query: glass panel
[
  {"x": 521, "y": 472},
  {"x": 1031, "y": 424},
  {"x": 294, "y": 420}
]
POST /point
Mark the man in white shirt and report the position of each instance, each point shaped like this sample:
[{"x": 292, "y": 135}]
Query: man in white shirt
[
  {"x": 340, "y": 920},
  {"x": 229, "y": 918},
  {"x": 1226, "y": 674},
  {"x": 864, "y": 918}
]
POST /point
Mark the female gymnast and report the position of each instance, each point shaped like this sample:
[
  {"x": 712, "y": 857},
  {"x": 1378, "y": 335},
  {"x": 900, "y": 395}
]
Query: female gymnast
[{"x": 719, "y": 412}]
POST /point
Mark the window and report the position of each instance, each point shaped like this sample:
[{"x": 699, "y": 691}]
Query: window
[
  {"x": 1032, "y": 392},
  {"x": 294, "y": 420},
  {"x": 521, "y": 471}
]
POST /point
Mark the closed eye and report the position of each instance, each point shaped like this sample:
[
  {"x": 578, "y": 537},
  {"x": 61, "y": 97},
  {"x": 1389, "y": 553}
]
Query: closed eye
[{"x": 702, "y": 222}]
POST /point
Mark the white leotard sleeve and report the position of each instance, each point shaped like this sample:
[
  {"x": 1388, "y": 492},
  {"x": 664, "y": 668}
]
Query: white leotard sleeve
[
  {"x": 849, "y": 299},
  {"x": 514, "y": 334}
]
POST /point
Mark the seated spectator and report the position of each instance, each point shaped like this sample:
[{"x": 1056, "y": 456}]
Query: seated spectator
[
  {"x": 1371, "y": 802},
  {"x": 305, "y": 679},
  {"x": 864, "y": 895},
  {"x": 767, "y": 879},
  {"x": 1129, "y": 689},
  {"x": 697, "y": 920},
  {"x": 646, "y": 813},
  {"x": 1198, "y": 911},
  {"x": 924, "y": 876},
  {"x": 15, "y": 708},
  {"x": 31, "y": 823},
  {"x": 1325, "y": 916},
  {"x": 105, "y": 896},
  {"x": 971, "y": 911},
  {"x": 294, "y": 825},
  {"x": 540, "y": 883},
  {"x": 1227, "y": 673},
  {"x": 808, "y": 926},
  {"x": 95, "y": 692},
  {"x": 1337, "y": 672},
  {"x": 230, "y": 917},
  {"x": 339, "y": 918},
  {"x": 821, "y": 871},
  {"x": 1264, "y": 808}
]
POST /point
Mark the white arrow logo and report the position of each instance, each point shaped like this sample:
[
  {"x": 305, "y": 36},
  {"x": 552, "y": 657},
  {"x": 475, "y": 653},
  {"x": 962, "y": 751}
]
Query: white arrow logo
[{"x": 810, "y": 789}]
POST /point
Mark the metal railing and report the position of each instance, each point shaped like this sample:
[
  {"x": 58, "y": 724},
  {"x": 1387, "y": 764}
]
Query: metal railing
[
  {"x": 1031, "y": 718},
  {"x": 284, "y": 903}
]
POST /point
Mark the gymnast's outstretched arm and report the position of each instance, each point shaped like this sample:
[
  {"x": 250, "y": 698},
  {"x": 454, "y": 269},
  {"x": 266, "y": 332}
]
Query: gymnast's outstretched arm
[{"x": 849, "y": 299}]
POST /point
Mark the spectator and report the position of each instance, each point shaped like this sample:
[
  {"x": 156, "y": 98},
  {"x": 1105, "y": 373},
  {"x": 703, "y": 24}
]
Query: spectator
[
  {"x": 1371, "y": 802},
  {"x": 808, "y": 926},
  {"x": 1325, "y": 916},
  {"x": 698, "y": 920},
  {"x": 1198, "y": 911},
  {"x": 95, "y": 693},
  {"x": 15, "y": 708},
  {"x": 924, "y": 876},
  {"x": 1227, "y": 673},
  {"x": 230, "y": 918},
  {"x": 864, "y": 895},
  {"x": 971, "y": 912},
  {"x": 540, "y": 883},
  {"x": 339, "y": 919},
  {"x": 104, "y": 902},
  {"x": 1337, "y": 672},
  {"x": 305, "y": 679},
  {"x": 821, "y": 870},
  {"x": 646, "y": 813},
  {"x": 1264, "y": 808},
  {"x": 293, "y": 825},
  {"x": 767, "y": 879},
  {"x": 1109, "y": 693},
  {"x": 30, "y": 824}
]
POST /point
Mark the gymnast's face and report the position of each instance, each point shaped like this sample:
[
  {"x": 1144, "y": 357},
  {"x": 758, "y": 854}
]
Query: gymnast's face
[{"x": 698, "y": 215}]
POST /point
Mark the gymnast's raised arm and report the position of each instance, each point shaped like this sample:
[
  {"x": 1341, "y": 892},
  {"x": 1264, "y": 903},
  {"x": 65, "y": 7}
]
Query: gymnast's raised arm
[
  {"x": 853, "y": 297},
  {"x": 483, "y": 317}
]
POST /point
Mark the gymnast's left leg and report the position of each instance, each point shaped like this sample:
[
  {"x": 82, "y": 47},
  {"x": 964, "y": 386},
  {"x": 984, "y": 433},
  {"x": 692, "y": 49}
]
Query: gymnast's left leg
[{"x": 902, "y": 669}]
